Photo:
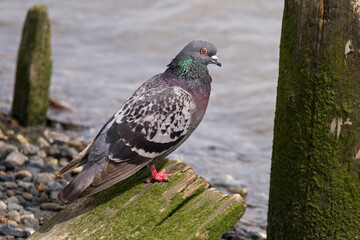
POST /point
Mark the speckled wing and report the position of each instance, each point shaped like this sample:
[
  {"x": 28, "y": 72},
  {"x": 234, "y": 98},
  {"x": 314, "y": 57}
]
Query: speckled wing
[{"x": 151, "y": 124}]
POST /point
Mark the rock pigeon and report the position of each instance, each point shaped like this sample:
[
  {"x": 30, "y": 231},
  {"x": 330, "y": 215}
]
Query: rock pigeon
[{"x": 160, "y": 115}]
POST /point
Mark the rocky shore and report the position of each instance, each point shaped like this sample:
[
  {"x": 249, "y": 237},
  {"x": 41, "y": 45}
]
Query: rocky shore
[{"x": 30, "y": 159}]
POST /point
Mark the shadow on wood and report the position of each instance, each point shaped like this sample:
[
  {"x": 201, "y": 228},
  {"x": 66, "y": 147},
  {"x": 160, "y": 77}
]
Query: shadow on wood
[{"x": 184, "y": 208}]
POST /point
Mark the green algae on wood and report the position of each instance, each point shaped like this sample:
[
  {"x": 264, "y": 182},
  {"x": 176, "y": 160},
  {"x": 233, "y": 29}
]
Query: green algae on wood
[
  {"x": 184, "y": 208},
  {"x": 315, "y": 183},
  {"x": 33, "y": 72}
]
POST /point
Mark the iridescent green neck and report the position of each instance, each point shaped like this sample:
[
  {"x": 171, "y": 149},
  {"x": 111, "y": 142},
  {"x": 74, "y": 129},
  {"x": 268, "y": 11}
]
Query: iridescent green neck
[
  {"x": 189, "y": 71},
  {"x": 186, "y": 65}
]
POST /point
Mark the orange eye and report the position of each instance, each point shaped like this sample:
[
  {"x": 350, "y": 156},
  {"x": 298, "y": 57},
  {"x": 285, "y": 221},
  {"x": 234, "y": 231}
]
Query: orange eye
[{"x": 203, "y": 51}]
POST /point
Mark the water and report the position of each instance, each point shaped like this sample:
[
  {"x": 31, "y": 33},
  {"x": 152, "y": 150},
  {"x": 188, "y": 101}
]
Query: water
[{"x": 103, "y": 50}]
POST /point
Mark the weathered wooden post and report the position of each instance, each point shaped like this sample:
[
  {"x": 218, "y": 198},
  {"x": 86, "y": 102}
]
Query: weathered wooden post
[
  {"x": 33, "y": 72},
  {"x": 184, "y": 208},
  {"x": 315, "y": 172}
]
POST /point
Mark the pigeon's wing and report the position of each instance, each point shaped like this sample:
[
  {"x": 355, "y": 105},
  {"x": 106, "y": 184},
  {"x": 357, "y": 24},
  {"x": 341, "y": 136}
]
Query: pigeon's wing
[{"x": 150, "y": 124}]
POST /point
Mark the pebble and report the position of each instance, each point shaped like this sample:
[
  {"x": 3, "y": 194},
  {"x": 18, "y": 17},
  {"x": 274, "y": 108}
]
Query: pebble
[
  {"x": 26, "y": 204},
  {"x": 14, "y": 215},
  {"x": 35, "y": 161},
  {"x": 10, "y": 193},
  {"x": 7, "y": 165},
  {"x": 51, "y": 206},
  {"x": 7, "y": 230},
  {"x": 29, "y": 149},
  {"x": 24, "y": 173},
  {"x": 14, "y": 206},
  {"x": 25, "y": 185},
  {"x": 7, "y": 178},
  {"x": 2, "y": 205},
  {"x": 27, "y": 196},
  {"x": 28, "y": 182},
  {"x": 44, "y": 177},
  {"x": 6, "y": 149},
  {"x": 42, "y": 187},
  {"x": 13, "y": 199},
  {"x": 12, "y": 224},
  {"x": 22, "y": 139},
  {"x": 2, "y": 220},
  {"x": 31, "y": 222},
  {"x": 16, "y": 158},
  {"x": 10, "y": 185}
]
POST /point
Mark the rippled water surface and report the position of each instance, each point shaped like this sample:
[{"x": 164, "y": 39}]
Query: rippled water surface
[{"x": 103, "y": 50}]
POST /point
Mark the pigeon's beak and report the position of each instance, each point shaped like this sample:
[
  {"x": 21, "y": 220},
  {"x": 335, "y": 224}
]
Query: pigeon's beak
[{"x": 215, "y": 60}]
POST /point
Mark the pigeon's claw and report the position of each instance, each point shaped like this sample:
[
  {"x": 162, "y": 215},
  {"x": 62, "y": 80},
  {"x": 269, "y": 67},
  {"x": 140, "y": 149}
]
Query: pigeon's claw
[{"x": 157, "y": 176}]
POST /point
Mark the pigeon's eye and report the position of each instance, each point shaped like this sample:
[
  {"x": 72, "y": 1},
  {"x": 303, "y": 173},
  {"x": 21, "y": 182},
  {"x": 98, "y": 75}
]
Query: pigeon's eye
[{"x": 203, "y": 51}]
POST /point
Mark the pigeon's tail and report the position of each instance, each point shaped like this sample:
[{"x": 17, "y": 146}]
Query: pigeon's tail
[
  {"x": 79, "y": 183},
  {"x": 79, "y": 160}
]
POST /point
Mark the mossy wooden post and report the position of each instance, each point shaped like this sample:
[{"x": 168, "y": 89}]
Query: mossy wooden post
[
  {"x": 184, "y": 208},
  {"x": 33, "y": 72},
  {"x": 315, "y": 174}
]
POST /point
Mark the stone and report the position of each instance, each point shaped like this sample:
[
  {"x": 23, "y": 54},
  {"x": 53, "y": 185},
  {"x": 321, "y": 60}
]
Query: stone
[
  {"x": 35, "y": 161},
  {"x": 51, "y": 206},
  {"x": 26, "y": 204},
  {"x": 42, "y": 187},
  {"x": 27, "y": 196},
  {"x": 36, "y": 201},
  {"x": 53, "y": 195},
  {"x": 55, "y": 185},
  {"x": 21, "y": 139},
  {"x": 44, "y": 197},
  {"x": 3, "y": 212},
  {"x": 6, "y": 149},
  {"x": 14, "y": 215},
  {"x": 13, "y": 199},
  {"x": 7, "y": 230},
  {"x": 31, "y": 222},
  {"x": 29, "y": 149},
  {"x": 16, "y": 158},
  {"x": 50, "y": 168},
  {"x": 10, "y": 185},
  {"x": 7, "y": 165},
  {"x": 2, "y": 220},
  {"x": 27, "y": 215},
  {"x": 51, "y": 160},
  {"x": 30, "y": 230},
  {"x": 26, "y": 185},
  {"x": 33, "y": 190},
  {"x": 12, "y": 223},
  {"x": 7, "y": 178},
  {"x": 56, "y": 136},
  {"x": 14, "y": 206},
  {"x": 63, "y": 162},
  {"x": 3, "y": 136},
  {"x": 43, "y": 142},
  {"x": 44, "y": 178},
  {"x": 2, "y": 205},
  {"x": 10, "y": 193}
]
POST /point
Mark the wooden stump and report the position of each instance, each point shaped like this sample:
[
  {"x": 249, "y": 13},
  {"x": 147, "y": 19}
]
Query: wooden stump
[
  {"x": 184, "y": 208},
  {"x": 33, "y": 72}
]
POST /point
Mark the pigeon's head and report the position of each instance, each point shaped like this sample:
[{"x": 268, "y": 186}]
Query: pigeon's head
[{"x": 201, "y": 51}]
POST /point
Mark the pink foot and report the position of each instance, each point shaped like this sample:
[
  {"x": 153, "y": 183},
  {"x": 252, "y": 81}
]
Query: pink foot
[{"x": 160, "y": 177}]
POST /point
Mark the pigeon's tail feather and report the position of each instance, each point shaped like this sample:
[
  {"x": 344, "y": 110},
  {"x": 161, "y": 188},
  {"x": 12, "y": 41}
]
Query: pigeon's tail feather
[
  {"x": 113, "y": 173},
  {"x": 79, "y": 160},
  {"x": 79, "y": 184}
]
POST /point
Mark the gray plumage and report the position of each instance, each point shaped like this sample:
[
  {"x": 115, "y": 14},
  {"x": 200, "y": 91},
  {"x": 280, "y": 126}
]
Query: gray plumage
[{"x": 160, "y": 115}]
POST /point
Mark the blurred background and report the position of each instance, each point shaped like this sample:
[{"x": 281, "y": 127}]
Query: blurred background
[{"x": 103, "y": 50}]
